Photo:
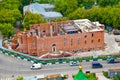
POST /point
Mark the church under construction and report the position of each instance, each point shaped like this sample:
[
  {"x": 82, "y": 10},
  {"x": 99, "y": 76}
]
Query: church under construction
[{"x": 72, "y": 36}]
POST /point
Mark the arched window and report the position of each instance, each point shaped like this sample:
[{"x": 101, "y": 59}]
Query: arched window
[
  {"x": 92, "y": 34},
  {"x": 54, "y": 48},
  {"x": 98, "y": 40},
  {"x": 92, "y": 41}
]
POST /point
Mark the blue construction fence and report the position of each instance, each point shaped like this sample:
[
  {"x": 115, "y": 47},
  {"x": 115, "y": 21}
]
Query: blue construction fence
[{"x": 57, "y": 61}]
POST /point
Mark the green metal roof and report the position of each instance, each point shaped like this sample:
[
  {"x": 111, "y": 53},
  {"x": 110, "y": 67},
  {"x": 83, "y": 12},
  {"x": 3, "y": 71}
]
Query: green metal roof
[{"x": 80, "y": 76}]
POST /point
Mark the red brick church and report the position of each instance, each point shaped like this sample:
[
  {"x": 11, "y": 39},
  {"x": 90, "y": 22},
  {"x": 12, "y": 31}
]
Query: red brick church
[{"x": 72, "y": 36}]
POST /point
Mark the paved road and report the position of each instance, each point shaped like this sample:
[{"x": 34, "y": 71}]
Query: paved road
[{"x": 12, "y": 66}]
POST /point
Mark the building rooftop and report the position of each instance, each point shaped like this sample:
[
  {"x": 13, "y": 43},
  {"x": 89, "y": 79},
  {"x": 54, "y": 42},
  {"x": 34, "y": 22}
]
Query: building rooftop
[
  {"x": 51, "y": 14},
  {"x": 69, "y": 27},
  {"x": 114, "y": 70},
  {"x": 46, "y": 10},
  {"x": 46, "y": 5},
  {"x": 82, "y": 25},
  {"x": 86, "y": 25}
]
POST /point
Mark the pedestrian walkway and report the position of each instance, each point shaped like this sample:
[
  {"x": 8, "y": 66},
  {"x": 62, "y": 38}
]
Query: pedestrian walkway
[
  {"x": 7, "y": 79},
  {"x": 101, "y": 76}
]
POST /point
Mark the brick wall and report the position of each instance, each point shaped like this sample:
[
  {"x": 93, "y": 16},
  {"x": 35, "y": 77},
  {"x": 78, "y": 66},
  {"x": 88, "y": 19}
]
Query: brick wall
[
  {"x": 80, "y": 42},
  {"x": 39, "y": 44}
]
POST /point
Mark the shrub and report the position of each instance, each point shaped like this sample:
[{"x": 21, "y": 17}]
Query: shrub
[
  {"x": 20, "y": 78},
  {"x": 91, "y": 76},
  {"x": 105, "y": 73},
  {"x": 117, "y": 77}
]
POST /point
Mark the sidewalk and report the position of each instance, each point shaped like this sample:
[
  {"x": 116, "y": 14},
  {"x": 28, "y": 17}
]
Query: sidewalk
[{"x": 101, "y": 76}]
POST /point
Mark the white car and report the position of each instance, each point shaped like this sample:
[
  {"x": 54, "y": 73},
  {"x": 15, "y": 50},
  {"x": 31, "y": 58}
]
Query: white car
[
  {"x": 36, "y": 66},
  {"x": 74, "y": 63}
]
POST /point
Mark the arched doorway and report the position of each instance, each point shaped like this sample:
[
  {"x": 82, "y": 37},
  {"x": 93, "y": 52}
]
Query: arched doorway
[{"x": 54, "y": 48}]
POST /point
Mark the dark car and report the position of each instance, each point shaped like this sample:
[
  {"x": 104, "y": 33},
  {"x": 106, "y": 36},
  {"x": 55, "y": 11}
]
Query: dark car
[{"x": 96, "y": 65}]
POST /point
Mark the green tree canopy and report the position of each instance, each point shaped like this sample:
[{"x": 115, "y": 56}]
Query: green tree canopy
[
  {"x": 31, "y": 18},
  {"x": 66, "y": 6},
  {"x": 59, "y": 19},
  {"x": 77, "y": 14},
  {"x": 6, "y": 29},
  {"x": 104, "y": 3},
  {"x": 10, "y": 4},
  {"x": 117, "y": 77},
  {"x": 20, "y": 78},
  {"x": 10, "y": 16}
]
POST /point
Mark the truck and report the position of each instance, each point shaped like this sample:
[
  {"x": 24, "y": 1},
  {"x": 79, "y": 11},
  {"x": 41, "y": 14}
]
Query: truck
[
  {"x": 113, "y": 60},
  {"x": 36, "y": 66},
  {"x": 96, "y": 65}
]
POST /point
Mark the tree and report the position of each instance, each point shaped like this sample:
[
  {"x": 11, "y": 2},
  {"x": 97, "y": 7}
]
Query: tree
[
  {"x": 118, "y": 5},
  {"x": 10, "y": 16},
  {"x": 20, "y": 78},
  {"x": 10, "y": 4},
  {"x": 59, "y": 19},
  {"x": 77, "y": 14},
  {"x": 117, "y": 77},
  {"x": 88, "y": 3},
  {"x": 31, "y": 18},
  {"x": 104, "y": 3},
  {"x": 66, "y": 6},
  {"x": 6, "y": 29}
]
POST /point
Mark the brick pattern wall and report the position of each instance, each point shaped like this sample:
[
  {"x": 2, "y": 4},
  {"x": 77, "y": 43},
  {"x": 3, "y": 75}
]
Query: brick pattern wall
[{"x": 39, "y": 44}]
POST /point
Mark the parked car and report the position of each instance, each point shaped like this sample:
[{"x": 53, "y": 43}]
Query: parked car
[
  {"x": 74, "y": 63},
  {"x": 96, "y": 65},
  {"x": 113, "y": 60},
  {"x": 36, "y": 66}
]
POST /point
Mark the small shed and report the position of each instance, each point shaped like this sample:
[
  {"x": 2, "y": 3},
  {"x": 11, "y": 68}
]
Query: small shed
[
  {"x": 113, "y": 72},
  {"x": 55, "y": 77}
]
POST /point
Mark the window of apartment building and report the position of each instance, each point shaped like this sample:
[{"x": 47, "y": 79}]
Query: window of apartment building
[
  {"x": 98, "y": 40},
  {"x": 92, "y": 34},
  {"x": 78, "y": 41},
  {"x": 64, "y": 41},
  {"x": 71, "y": 41}
]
